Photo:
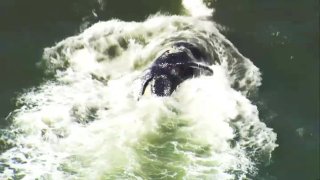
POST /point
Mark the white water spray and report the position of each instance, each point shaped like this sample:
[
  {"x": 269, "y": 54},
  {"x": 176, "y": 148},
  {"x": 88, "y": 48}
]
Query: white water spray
[{"x": 86, "y": 123}]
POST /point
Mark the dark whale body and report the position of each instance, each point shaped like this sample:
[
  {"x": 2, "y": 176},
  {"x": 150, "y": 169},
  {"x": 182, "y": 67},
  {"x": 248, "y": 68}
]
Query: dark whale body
[{"x": 173, "y": 67}]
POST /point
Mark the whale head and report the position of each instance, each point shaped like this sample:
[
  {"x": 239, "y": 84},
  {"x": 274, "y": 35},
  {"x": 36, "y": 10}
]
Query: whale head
[{"x": 173, "y": 67}]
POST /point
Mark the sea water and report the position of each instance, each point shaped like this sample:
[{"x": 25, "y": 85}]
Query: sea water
[{"x": 88, "y": 122}]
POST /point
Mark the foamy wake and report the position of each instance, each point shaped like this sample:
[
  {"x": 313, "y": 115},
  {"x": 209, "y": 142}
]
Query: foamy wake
[{"x": 86, "y": 122}]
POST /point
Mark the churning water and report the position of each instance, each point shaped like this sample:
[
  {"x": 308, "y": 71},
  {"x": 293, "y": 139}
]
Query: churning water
[{"x": 86, "y": 122}]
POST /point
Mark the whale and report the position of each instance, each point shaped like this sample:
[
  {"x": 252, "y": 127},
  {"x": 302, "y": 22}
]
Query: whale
[{"x": 177, "y": 64}]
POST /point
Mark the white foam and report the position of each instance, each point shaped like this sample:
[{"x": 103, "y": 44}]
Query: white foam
[
  {"x": 87, "y": 123},
  {"x": 197, "y": 8}
]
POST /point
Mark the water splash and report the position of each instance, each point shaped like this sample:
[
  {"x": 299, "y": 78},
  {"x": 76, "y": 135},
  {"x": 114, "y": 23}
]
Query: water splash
[
  {"x": 197, "y": 8},
  {"x": 86, "y": 121}
]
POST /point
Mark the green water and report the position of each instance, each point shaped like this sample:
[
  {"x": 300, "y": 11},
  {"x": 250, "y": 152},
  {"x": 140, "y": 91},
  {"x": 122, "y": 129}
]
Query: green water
[
  {"x": 290, "y": 66},
  {"x": 280, "y": 37}
]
